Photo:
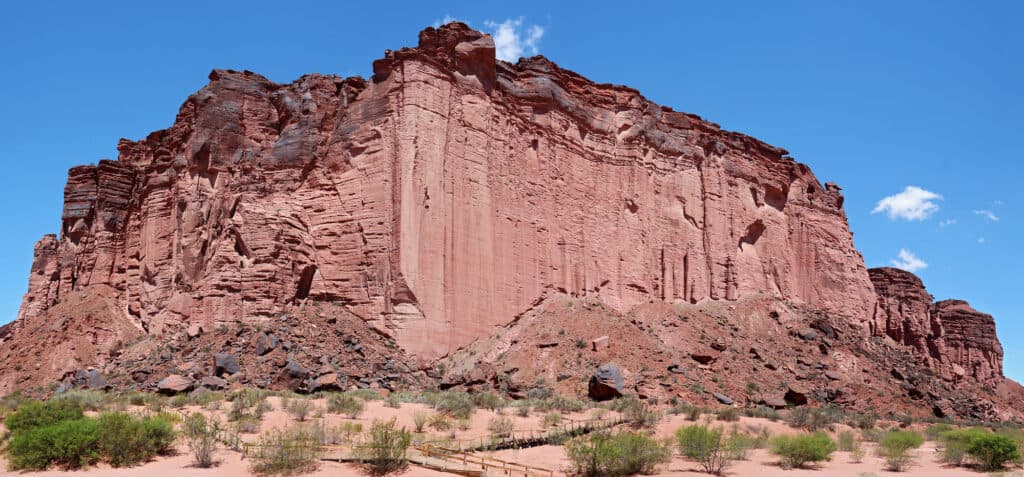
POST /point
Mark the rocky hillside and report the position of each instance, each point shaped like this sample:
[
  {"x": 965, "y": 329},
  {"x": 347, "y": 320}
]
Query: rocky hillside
[{"x": 432, "y": 205}]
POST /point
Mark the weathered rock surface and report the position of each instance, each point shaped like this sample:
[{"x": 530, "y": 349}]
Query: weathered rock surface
[
  {"x": 366, "y": 228},
  {"x": 440, "y": 199},
  {"x": 949, "y": 336},
  {"x": 174, "y": 384},
  {"x": 606, "y": 382}
]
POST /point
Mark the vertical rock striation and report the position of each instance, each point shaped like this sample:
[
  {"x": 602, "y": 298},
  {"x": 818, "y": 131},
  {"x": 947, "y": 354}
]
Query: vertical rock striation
[{"x": 949, "y": 336}]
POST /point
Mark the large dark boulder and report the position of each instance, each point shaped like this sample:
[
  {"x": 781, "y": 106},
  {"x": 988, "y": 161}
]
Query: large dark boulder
[
  {"x": 225, "y": 363},
  {"x": 606, "y": 382}
]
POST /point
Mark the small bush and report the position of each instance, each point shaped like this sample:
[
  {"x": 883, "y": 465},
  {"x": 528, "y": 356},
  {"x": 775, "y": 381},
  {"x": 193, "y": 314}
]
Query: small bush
[
  {"x": 419, "y": 420},
  {"x": 346, "y": 404},
  {"x": 706, "y": 446},
  {"x": 125, "y": 440},
  {"x": 489, "y": 400},
  {"x": 993, "y": 451},
  {"x": 33, "y": 414},
  {"x": 440, "y": 422},
  {"x": 290, "y": 451},
  {"x": 847, "y": 441},
  {"x": 552, "y": 419},
  {"x": 763, "y": 412},
  {"x": 454, "y": 404},
  {"x": 895, "y": 448},
  {"x": 814, "y": 419},
  {"x": 955, "y": 444},
  {"x": 798, "y": 451},
  {"x": 501, "y": 426},
  {"x": 300, "y": 409},
  {"x": 247, "y": 425},
  {"x": 69, "y": 444},
  {"x": 934, "y": 430},
  {"x": 385, "y": 451},
  {"x": 523, "y": 409},
  {"x": 611, "y": 455},
  {"x": 201, "y": 435},
  {"x": 862, "y": 421},
  {"x": 729, "y": 414},
  {"x": 393, "y": 401}
]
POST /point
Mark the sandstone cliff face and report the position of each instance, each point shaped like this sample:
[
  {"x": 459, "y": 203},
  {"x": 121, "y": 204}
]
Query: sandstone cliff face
[
  {"x": 437, "y": 201},
  {"x": 949, "y": 336}
]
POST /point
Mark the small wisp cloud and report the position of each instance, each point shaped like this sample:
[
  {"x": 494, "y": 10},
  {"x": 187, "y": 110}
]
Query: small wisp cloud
[
  {"x": 908, "y": 261},
  {"x": 914, "y": 203},
  {"x": 988, "y": 214},
  {"x": 512, "y": 38}
]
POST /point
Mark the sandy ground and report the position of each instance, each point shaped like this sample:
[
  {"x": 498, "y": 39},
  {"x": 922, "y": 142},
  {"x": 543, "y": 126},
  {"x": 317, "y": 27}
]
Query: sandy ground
[{"x": 759, "y": 464}]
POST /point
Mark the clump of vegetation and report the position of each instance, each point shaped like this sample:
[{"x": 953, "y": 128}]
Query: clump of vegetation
[
  {"x": 289, "y": 451},
  {"x": 56, "y": 433},
  {"x": 32, "y": 414},
  {"x": 933, "y": 431},
  {"x": 501, "y": 426},
  {"x": 847, "y": 441},
  {"x": 69, "y": 444},
  {"x": 419, "y": 420},
  {"x": 709, "y": 447},
  {"x": 763, "y": 412},
  {"x": 440, "y": 422},
  {"x": 489, "y": 400},
  {"x": 393, "y": 401},
  {"x": 955, "y": 443},
  {"x": 798, "y": 451},
  {"x": 636, "y": 412},
  {"x": 729, "y": 414},
  {"x": 248, "y": 404},
  {"x": 611, "y": 455},
  {"x": 814, "y": 419},
  {"x": 201, "y": 434},
  {"x": 385, "y": 450},
  {"x": 300, "y": 409},
  {"x": 455, "y": 404},
  {"x": 552, "y": 419},
  {"x": 895, "y": 448},
  {"x": 993, "y": 451},
  {"x": 346, "y": 403}
]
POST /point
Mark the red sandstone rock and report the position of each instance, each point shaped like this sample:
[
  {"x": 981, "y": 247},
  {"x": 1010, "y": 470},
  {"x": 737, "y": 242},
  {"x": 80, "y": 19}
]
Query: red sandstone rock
[
  {"x": 949, "y": 336},
  {"x": 438, "y": 200}
]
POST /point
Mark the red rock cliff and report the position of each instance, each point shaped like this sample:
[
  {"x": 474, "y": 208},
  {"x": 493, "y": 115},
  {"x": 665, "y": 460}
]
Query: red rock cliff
[
  {"x": 949, "y": 336},
  {"x": 440, "y": 199}
]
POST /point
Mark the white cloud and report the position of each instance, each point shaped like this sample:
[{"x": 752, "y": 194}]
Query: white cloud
[
  {"x": 947, "y": 223},
  {"x": 988, "y": 214},
  {"x": 981, "y": 239},
  {"x": 512, "y": 39},
  {"x": 998, "y": 202},
  {"x": 914, "y": 203},
  {"x": 908, "y": 261},
  {"x": 446, "y": 20}
]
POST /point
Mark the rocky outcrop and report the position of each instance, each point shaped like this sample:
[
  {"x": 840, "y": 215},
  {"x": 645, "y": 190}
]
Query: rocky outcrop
[
  {"x": 949, "y": 336},
  {"x": 439, "y": 199}
]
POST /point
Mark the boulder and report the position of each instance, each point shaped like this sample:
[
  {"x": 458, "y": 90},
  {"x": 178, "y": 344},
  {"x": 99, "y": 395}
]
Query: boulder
[
  {"x": 606, "y": 382},
  {"x": 174, "y": 384},
  {"x": 225, "y": 363},
  {"x": 722, "y": 398},
  {"x": 796, "y": 395},
  {"x": 600, "y": 343},
  {"x": 213, "y": 383}
]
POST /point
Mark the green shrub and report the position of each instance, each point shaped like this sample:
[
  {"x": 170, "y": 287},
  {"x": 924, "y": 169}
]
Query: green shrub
[
  {"x": 568, "y": 405},
  {"x": 70, "y": 444},
  {"x": 125, "y": 440},
  {"x": 934, "y": 430},
  {"x": 393, "y": 401},
  {"x": 455, "y": 404},
  {"x": 87, "y": 399},
  {"x": 955, "y": 443},
  {"x": 385, "y": 451},
  {"x": 201, "y": 434},
  {"x": 993, "y": 451},
  {"x": 704, "y": 445},
  {"x": 33, "y": 414},
  {"x": 763, "y": 412},
  {"x": 290, "y": 451},
  {"x": 798, "y": 451},
  {"x": 440, "y": 422},
  {"x": 862, "y": 421},
  {"x": 895, "y": 448},
  {"x": 609, "y": 455},
  {"x": 346, "y": 404}
]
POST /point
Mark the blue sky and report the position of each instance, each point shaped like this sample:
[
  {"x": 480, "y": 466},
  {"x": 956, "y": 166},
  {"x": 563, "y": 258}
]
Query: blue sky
[{"x": 876, "y": 96}]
